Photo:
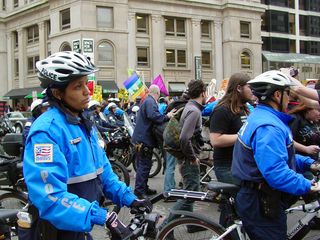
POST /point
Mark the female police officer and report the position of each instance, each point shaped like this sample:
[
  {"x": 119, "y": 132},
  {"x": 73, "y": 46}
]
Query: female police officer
[{"x": 65, "y": 169}]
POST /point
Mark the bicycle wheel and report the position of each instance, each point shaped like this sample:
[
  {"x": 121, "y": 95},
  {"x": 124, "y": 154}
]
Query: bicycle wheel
[
  {"x": 191, "y": 228},
  {"x": 13, "y": 200},
  {"x": 122, "y": 172},
  {"x": 156, "y": 164}
]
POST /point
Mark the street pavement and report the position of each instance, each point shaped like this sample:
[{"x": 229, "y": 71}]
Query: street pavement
[{"x": 163, "y": 208}]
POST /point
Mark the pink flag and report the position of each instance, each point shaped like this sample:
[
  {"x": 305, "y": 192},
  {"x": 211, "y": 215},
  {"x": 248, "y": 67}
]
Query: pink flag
[{"x": 160, "y": 83}]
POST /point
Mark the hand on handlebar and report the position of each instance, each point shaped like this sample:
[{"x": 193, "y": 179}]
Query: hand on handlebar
[
  {"x": 315, "y": 168},
  {"x": 117, "y": 229},
  {"x": 143, "y": 205}
]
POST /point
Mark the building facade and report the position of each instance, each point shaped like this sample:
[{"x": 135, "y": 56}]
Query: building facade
[
  {"x": 182, "y": 40},
  {"x": 292, "y": 28}
]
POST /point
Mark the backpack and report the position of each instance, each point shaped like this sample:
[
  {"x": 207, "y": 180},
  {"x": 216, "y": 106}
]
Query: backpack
[{"x": 171, "y": 135}]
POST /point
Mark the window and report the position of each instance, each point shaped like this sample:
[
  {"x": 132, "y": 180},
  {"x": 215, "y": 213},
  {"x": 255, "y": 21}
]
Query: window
[
  {"x": 16, "y": 39},
  {"x": 314, "y": 26},
  {"x": 105, "y": 54},
  {"x": 142, "y": 23},
  {"x": 16, "y": 3},
  {"x": 264, "y": 22},
  {"x": 291, "y": 3},
  {"x": 65, "y": 19},
  {"x": 245, "y": 60},
  {"x": 281, "y": 3},
  {"x": 302, "y": 4},
  {"x": 292, "y": 48},
  {"x": 48, "y": 26},
  {"x": 32, "y": 64},
  {"x": 143, "y": 57},
  {"x": 302, "y": 25},
  {"x": 205, "y": 29},
  {"x": 292, "y": 24},
  {"x": 206, "y": 59},
  {"x": 33, "y": 34},
  {"x": 245, "y": 29},
  {"x": 65, "y": 47},
  {"x": 104, "y": 17},
  {"x": 16, "y": 67},
  {"x": 175, "y": 27},
  {"x": 314, "y": 5},
  {"x": 176, "y": 58},
  {"x": 279, "y": 44},
  {"x": 314, "y": 48},
  {"x": 279, "y": 21},
  {"x": 4, "y": 6}
]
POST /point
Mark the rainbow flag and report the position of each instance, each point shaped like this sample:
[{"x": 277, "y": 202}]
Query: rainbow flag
[{"x": 134, "y": 86}]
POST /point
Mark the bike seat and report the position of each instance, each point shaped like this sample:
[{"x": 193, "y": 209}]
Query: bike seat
[
  {"x": 8, "y": 214},
  {"x": 222, "y": 187}
]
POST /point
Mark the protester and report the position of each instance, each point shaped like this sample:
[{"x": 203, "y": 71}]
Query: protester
[
  {"x": 170, "y": 164},
  {"x": 190, "y": 144},
  {"x": 144, "y": 141},
  {"x": 265, "y": 163},
  {"x": 65, "y": 169}
]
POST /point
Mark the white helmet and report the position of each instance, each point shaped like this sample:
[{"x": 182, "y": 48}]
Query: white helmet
[
  {"x": 35, "y": 104},
  {"x": 268, "y": 82},
  {"x": 135, "y": 109},
  {"x": 112, "y": 104},
  {"x": 94, "y": 103},
  {"x": 38, "y": 103},
  {"x": 62, "y": 67}
]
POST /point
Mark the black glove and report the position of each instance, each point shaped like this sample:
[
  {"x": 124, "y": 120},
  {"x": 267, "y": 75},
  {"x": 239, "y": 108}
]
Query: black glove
[
  {"x": 143, "y": 205},
  {"x": 117, "y": 229}
]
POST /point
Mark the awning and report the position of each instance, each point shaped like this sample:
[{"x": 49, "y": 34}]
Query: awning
[
  {"x": 108, "y": 86},
  {"x": 18, "y": 93},
  {"x": 290, "y": 57},
  {"x": 177, "y": 87}
]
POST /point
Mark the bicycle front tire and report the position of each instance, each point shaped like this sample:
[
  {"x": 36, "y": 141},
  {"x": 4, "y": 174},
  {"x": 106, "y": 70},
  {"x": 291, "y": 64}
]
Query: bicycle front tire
[
  {"x": 181, "y": 229},
  {"x": 13, "y": 200}
]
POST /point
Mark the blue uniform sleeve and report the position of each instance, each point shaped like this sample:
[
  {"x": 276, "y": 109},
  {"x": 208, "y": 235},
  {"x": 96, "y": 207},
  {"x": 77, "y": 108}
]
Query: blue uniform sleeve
[
  {"x": 114, "y": 189},
  {"x": 119, "y": 112},
  {"x": 303, "y": 163},
  {"x": 46, "y": 174},
  {"x": 209, "y": 108},
  {"x": 270, "y": 153}
]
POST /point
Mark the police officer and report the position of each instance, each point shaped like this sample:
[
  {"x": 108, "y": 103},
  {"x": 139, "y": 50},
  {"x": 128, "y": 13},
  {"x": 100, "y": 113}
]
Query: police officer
[
  {"x": 111, "y": 117},
  {"x": 37, "y": 107},
  {"x": 65, "y": 170},
  {"x": 265, "y": 163}
]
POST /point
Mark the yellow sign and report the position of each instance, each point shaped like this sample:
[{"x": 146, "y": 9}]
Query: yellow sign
[
  {"x": 123, "y": 94},
  {"x": 97, "y": 93}
]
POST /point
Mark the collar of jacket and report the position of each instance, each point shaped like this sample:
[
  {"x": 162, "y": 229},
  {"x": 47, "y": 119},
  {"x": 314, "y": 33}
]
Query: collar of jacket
[
  {"x": 198, "y": 105},
  {"x": 285, "y": 118}
]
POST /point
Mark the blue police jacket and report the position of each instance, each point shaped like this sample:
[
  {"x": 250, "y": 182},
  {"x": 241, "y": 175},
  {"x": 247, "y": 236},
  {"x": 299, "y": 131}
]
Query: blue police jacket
[
  {"x": 148, "y": 115},
  {"x": 162, "y": 107},
  {"x": 264, "y": 151},
  {"x": 62, "y": 153},
  {"x": 119, "y": 112}
]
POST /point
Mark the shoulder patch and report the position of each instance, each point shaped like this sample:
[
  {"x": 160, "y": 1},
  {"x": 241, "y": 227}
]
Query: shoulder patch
[{"x": 43, "y": 153}]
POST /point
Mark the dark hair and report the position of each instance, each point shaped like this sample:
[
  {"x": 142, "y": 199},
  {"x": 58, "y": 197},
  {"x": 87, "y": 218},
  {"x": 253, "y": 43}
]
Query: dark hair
[
  {"x": 195, "y": 88},
  {"x": 232, "y": 96},
  {"x": 317, "y": 86}
]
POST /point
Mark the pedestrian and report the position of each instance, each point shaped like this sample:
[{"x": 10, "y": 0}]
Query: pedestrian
[
  {"x": 65, "y": 169},
  {"x": 190, "y": 144},
  {"x": 265, "y": 163},
  {"x": 225, "y": 121},
  {"x": 170, "y": 161},
  {"x": 144, "y": 140}
]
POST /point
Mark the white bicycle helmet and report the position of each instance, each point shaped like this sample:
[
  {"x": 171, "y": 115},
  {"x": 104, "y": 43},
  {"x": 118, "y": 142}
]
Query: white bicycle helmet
[
  {"x": 35, "y": 103},
  {"x": 93, "y": 103},
  {"x": 268, "y": 82},
  {"x": 62, "y": 67},
  {"x": 111, "y": 105},
  {"x": 135, "y": 109}
]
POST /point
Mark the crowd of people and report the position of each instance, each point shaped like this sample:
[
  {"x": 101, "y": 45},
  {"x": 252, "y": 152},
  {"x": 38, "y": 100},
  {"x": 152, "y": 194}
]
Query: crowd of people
[{"x": 258, "y": 145}]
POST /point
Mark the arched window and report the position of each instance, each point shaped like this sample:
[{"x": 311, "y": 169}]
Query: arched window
[
  {"x": 245, "y": 59},
  {"x": 105, "y": 54},
  {"x": 65, "y": 47}
]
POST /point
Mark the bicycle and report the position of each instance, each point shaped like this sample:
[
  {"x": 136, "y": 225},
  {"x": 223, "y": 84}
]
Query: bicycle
[
  {"x": 209, "y": 229},
  {"x": 8, "y": 223}
]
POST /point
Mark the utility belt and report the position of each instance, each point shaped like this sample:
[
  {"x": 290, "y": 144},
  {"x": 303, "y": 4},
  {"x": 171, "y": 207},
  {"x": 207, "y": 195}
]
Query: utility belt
[
  {"x": 39, "y": 229},
  {"x": 144, "y": 150},
  {"x": 270, "y": 199}
]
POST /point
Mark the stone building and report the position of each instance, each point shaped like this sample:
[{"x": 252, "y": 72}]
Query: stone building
[{"x": 180, "y": 39}]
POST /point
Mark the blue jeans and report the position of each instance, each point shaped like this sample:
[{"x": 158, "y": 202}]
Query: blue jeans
[
  {"x": 223, "y": 174},
  {"x": 169, "y": 181},
  {"x": 191, "y": 181}
]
